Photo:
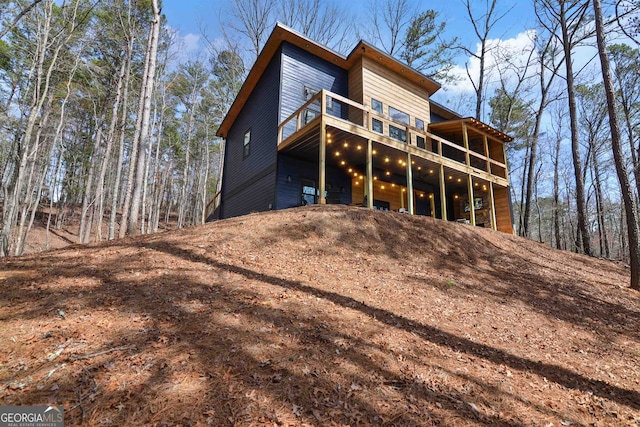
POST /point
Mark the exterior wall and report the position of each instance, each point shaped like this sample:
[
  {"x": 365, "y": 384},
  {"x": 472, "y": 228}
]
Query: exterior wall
[
  {"x": 503, "y": 209},
  {"x": 391, "y": 89},
  {"x": 248, "y": 184},
  {"x": 338, "y": 182},
  {"x": 436, "y": 118},
  {"x": 356, "y": 91},
  {"x": 300, "y": 69}
]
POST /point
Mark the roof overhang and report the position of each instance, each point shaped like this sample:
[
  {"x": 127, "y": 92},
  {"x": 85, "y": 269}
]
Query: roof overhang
[{"x": 473, "y": 123}]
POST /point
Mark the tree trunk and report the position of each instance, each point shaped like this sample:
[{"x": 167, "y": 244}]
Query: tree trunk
[
  {"x": 618, "y": 154},
  {"x": 581, "y": 208},
  {"x": 146, "y": 93}
]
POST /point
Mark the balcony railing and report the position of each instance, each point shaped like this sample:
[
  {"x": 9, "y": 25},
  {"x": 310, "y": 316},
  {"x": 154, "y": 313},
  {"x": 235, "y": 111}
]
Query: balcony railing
[{"x": 363, "y": 118}]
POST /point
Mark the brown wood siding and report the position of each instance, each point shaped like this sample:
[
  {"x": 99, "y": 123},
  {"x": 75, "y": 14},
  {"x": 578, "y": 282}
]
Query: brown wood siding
[
  {"x": 390, "y": 194},
  {"x": 392, "y": 89},
  {"x": 503, "y": 210},
  {"x": 355, "y": 92}
]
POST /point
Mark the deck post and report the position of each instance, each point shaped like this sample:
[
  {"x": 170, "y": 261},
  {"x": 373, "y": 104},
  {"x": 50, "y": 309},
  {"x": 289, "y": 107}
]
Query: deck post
[
  {"x": 369, "y": 184},
  {"x": 443, "y": 194},
  {"x": 472, "y": 209},
  {"x": 432, "y": 206},
  {"x": 322, "y": 163},
  {"x": 465, "y": 139},
  {"x": 487, "y": 154},
  {"x": 492, "y": 206},
  {"x": 410, "y": 201}
]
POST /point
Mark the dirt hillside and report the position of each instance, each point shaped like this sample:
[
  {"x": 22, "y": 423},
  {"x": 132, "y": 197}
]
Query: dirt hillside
[{"x": 321, "y": 316}]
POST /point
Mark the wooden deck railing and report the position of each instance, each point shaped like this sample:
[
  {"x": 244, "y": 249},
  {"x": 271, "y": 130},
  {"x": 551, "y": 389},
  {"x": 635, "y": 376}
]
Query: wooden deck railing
[{"x": 363, "y": 117}]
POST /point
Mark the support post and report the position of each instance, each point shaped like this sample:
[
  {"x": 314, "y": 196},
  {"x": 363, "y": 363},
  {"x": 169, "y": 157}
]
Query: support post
[
  {"x": 443, "y": 194},
  {"x": 472, "y": 209},
  {"x": 322, "y": 163},
  {"x": 465, "y": 139},
  {"x": 410, "y": 201},
  {"x": 486, "y": 152},
  {"x": 369, "y": 184},
  {"x": 492, "y": 206},
  {"x": 432, "y": 205}
]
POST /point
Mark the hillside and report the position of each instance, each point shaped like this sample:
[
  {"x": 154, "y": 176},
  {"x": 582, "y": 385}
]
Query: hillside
[{"x": 321, "y": 316}]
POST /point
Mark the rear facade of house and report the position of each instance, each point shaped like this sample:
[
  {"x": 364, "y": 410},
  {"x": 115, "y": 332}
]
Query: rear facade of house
[{"x": 312, "y": 126}]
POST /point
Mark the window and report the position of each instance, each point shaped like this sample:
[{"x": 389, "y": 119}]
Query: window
[
  {"x": 376, "y": 125},
  {"x": 309, "y": 193},
  {"x": 376, "y": 106},
  {"x": 309, "y": 92},
  {"x": 419, "y": 124},
  {"x": 397, "y": 133},
  {"x": 246, "y": 146},
  {"x": 420, "y": 142},
  {"x": 398, "y": 116},
  {"x": 308, "y": 115}
]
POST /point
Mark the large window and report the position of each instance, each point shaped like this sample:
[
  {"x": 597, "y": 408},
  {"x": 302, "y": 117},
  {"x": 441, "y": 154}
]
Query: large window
[
  {"x": 246, "y": 146},
  {"x": 398, "y": 116}
]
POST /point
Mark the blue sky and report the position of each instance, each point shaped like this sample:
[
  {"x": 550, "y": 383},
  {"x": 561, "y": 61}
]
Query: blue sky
[{"x": 189, "y": 16}]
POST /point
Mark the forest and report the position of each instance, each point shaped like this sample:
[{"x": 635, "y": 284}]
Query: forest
[{"x": 104, "y": 122}]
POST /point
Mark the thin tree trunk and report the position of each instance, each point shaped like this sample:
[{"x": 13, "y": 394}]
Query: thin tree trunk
[
  {"x": 581, "y": 208},
  {"x": 618, "y": 154},
  {"x": 148, "y": 84}
]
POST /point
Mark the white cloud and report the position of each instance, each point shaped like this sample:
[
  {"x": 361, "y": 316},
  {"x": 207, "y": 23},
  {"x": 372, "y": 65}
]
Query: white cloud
[
  {"x": 516, "y": 49},
  {"x": 191, "y": 43}
]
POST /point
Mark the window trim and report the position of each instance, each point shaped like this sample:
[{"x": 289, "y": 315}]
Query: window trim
[{"x": 246, "y": 145}]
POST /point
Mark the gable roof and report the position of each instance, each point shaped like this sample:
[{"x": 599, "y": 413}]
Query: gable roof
[{"x": 281, "y": 33}]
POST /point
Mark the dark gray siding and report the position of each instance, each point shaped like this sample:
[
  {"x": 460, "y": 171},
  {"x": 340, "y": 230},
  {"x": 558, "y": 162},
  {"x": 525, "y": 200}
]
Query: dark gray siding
[
  {"x": 337, "y": 181},
  {"x": 436, "y": 118},
  {"x": 300, "y": 69},
  {"x": 248, "y": 184}
]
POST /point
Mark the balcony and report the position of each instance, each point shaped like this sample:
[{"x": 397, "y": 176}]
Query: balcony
[{"x": 466, "y": 146}]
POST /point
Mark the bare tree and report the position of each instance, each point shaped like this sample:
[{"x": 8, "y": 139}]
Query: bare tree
[
  {"x": 618, "y": 155},
  {"x": 254, "y": 21},
  {"x": 482, "y": 25},
  {"x": 321, "y": 21},
  {"x": 144, "y": 111},
  {"x": 571, "y": 15}
]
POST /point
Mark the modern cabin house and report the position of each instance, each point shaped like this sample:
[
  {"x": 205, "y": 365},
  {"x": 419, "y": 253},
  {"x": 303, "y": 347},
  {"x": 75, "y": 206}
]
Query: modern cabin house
[{"x": 312, "y": 126}]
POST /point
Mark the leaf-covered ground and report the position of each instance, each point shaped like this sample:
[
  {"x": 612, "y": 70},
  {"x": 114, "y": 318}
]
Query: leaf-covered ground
[{"x": 321, "y": 316}]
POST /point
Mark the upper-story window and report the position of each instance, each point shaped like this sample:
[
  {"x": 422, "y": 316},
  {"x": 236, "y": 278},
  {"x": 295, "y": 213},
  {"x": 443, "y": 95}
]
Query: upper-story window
[
  {"x": 398, "y": 116},
  {"x": 309, "y": 92},
  {"x": 419, "y": 124},
  {"x": 246, "y": 146},
  {"x": 397, "y": 133},
  {"x": 376, "y": 106}
]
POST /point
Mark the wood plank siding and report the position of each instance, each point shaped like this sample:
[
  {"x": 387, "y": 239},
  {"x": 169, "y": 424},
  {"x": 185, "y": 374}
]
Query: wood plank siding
[
  {"x": 503, "y": 209},
  {"x": 393, "y": 90}
]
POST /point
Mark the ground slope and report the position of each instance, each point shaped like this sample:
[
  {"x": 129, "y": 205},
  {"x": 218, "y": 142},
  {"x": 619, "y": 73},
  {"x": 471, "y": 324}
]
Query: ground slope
[{"x": 321, "y": 316}]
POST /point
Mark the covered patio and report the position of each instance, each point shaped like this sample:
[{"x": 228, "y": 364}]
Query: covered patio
[{"x": 455, "y": 170}]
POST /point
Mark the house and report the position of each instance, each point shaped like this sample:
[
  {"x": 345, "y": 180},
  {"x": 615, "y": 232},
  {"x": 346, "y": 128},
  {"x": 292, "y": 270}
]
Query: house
[{"x": 312, "y": 126}]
